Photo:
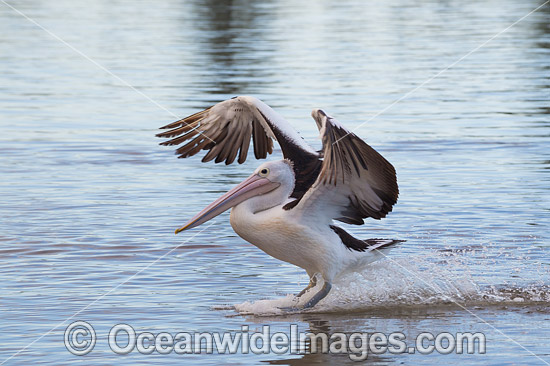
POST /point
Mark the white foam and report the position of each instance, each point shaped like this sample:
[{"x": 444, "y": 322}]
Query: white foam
[
  {"x": 435, "y": 279},
  {"x": 384, "y": 283}
]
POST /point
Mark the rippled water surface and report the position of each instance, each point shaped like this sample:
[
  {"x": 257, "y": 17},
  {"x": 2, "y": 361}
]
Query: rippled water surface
[{"x": 89, "y": 201}]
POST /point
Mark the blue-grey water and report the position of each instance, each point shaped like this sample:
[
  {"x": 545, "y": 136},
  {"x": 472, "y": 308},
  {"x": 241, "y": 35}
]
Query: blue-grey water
[{"x": 89, "y": 201}]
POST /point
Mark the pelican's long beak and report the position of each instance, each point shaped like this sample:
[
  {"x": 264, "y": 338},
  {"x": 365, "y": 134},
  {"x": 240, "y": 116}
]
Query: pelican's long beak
[{"x": 252, "y": 186}]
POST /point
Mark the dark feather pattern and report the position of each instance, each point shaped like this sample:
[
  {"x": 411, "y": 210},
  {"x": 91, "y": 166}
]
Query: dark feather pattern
[
  {"x": 306, "y": 165},
  {"x": 224, "y": 138},
  {"x": 348, "y": 158},
  {"x": 359, "y": 245}
]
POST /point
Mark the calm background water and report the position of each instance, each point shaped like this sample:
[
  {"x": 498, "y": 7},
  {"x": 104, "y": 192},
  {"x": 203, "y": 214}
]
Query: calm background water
[{"x": 88, "y": 198}]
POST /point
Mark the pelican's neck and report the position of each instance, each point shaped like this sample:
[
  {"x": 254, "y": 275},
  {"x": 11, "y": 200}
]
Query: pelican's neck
[
  {"x": 247, "y": 216},
  {"x": 250, "y": 216}
]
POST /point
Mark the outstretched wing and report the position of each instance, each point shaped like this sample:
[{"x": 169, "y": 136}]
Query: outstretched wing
[
  {"x": 226, "y": 128},
  {"x": 355, "y": 181}
]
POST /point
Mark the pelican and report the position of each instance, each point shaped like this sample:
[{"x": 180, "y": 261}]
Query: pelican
[{"x": 287, "y": 208}]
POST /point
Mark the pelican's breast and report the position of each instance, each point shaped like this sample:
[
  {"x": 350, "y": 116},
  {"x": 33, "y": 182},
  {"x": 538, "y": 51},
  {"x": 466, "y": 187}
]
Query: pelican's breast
[{"x": 281, "y": 236}]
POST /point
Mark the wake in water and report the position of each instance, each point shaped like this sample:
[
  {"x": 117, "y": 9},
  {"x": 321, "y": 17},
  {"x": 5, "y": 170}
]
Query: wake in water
[{"x": 405, "y": 282}]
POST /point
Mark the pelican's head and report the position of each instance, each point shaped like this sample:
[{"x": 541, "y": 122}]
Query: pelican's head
[
  {"x": 265, "y": 179},
  {"x": 280, "y": 172}
]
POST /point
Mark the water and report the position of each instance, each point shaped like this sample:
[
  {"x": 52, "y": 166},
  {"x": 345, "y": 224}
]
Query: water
[{"x": 90, "y": 201}]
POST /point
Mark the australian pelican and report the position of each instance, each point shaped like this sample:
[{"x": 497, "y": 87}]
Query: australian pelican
[{"x": 286, "y": 208}]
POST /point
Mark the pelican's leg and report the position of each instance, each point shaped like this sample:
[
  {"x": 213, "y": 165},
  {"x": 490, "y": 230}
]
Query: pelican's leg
[
  {"x": 323, "y": 292},
  {"x": 318, "y": 296},
  {"x": 312, "y": 283}
]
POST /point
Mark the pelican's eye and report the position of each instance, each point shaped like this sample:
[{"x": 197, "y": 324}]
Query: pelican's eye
[{"x": 264, "y": 172}]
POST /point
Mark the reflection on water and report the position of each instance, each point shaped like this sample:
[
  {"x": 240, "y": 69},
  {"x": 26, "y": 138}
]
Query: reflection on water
[
  {"x": 232, "y": 37},
  {"x": 89, "y": 199}
]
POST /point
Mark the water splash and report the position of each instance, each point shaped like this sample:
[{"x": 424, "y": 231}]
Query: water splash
[{"x": 438, "y": 279}]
